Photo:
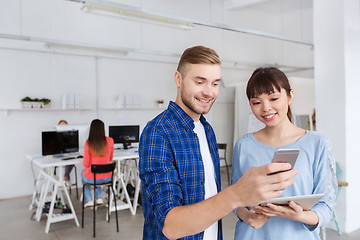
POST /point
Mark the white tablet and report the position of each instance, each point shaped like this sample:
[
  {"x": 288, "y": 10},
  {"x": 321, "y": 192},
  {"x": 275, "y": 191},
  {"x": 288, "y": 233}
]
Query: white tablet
[{"x": 305, "y": 201}]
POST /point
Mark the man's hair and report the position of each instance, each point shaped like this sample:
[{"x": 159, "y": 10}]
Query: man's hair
[{"x": 197, "y": 55}]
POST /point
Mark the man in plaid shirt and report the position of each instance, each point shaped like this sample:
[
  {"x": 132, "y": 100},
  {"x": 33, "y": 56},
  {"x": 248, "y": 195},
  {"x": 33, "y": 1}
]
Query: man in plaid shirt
[{"x": 179, "y": 161}]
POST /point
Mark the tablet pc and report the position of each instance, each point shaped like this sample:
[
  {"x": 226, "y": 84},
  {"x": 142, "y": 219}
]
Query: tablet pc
[{"x": 305, "y": 201}]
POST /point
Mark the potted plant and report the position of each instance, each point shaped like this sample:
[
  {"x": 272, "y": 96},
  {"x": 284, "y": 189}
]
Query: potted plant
[{"x": 28, "y": 102}]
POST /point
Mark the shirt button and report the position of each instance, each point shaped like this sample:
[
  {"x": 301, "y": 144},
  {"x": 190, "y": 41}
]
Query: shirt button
[
  {"x": 202, "y": 182},
  {"x": 200, "y": 158}
]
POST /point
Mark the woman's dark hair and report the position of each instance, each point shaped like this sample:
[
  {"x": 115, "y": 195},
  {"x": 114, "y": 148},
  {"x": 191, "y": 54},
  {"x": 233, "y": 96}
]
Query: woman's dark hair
[
  {"x": 97, "y": 140},
  {"x": 265, "y": 80}
]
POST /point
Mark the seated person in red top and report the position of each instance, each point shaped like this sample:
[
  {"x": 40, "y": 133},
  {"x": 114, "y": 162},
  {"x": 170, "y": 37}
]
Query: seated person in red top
[{"x": 98, "y": 149}]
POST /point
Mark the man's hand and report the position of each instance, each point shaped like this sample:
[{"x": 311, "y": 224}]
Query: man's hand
[{"x": 256, "y": 185}]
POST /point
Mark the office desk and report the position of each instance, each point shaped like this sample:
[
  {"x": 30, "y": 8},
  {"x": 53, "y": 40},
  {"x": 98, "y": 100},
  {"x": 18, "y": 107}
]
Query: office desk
[
  {"x": 46, "y": 165},
  {"x": 124, "y": 171}
]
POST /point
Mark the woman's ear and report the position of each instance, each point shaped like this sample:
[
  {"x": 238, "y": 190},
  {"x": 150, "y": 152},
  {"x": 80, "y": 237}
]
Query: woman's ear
[{"x": 291, "y": 96}]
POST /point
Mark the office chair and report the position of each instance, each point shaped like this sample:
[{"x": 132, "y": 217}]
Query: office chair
[
  {"x": 341, "y": 184},
  {"x": 101, "y": 168},
  {"x": 222, "y": 146}
]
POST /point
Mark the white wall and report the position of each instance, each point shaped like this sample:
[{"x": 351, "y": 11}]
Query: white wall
[
  {"x": 304, "y": 96},
  {"x": 30, "y": 69},
  {"x": 337, "y": 57}
]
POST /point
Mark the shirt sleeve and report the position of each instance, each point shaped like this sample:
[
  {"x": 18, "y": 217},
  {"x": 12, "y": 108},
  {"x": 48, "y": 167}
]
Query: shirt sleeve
[
  {"x": 324, "y": 179},
  {"x": 158, "y": 173}
]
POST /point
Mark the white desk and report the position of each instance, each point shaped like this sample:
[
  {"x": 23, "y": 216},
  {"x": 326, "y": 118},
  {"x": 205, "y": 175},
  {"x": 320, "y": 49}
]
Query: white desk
[
  {"x": 124, "y": 170},
  {"x": 46, "y": 165}
]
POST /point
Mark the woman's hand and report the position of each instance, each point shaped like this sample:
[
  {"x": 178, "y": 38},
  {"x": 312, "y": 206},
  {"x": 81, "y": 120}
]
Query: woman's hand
[
  {"x": 293, "y": 212},
  {"x": 252, "y": 218}
]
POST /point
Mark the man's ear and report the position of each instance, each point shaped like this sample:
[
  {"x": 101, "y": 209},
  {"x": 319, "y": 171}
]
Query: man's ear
[{"x": 178, "y": 79}]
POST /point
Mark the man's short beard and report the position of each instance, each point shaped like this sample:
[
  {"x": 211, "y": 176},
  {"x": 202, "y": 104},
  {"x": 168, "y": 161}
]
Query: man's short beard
[{"x": 189, "y": 105}]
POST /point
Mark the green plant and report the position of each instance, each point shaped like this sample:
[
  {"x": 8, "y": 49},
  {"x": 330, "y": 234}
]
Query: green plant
[{"x": 46, "y": 101}]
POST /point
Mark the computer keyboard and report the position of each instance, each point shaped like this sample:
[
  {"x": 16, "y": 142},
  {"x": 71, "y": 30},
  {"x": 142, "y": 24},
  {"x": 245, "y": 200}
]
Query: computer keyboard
[{"x": 72, "y": 157}]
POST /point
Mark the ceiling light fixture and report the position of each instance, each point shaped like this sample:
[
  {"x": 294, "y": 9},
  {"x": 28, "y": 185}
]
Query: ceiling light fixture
[
  {"x": 135, "y": 13},
  {"x": 85, "y": 47}
]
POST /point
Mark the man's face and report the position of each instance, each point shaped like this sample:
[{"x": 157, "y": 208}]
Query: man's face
[{"x": 198, "y": 88}]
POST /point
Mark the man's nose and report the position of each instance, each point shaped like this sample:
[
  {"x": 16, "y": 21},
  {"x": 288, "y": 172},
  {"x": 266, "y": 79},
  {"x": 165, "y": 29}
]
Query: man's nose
[{"x": 208, "y": 90}]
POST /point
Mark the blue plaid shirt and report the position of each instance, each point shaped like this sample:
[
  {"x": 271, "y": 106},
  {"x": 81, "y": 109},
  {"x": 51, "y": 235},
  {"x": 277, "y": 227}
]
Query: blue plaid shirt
[{"x": 171, "y": 168}]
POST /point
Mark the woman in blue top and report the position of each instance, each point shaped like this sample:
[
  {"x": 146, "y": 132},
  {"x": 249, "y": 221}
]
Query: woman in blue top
[{"x": 270, "y": 95}]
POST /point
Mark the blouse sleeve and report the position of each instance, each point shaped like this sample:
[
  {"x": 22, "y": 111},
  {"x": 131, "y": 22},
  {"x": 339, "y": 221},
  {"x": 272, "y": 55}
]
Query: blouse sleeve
[
  {"x": 86, "y": 156},
  {"x": 111, "y": 144},
  {"x": 325, "y": 181},
  {"x": 235, "y": 170}
]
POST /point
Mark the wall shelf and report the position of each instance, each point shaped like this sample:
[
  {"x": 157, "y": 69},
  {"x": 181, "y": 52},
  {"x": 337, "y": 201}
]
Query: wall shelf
[
  {"x": 132, "y": 109},
  {"x": 8, "y": 110}
]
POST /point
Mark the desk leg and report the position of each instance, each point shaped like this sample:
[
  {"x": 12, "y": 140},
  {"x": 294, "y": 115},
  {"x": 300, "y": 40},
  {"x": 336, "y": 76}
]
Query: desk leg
[
  {"x": 136, "y": 195},
  {"x": 121, "y": 185},
  {"x": 41, "y": 203},
  {"x": 70, "y": 203},
  {"x": 126, "y": 194},
  {"x": 51, "y": 210},
  {"x": 35, "y": 192}
]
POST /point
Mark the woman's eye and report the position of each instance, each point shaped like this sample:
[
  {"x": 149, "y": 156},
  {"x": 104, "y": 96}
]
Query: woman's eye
[
  {"x": 274, "y": 99},
  {"x": 255, "y": 103}
]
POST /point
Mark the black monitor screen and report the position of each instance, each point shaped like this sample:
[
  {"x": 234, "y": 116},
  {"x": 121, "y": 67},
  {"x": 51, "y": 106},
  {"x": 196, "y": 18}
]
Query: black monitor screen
[
  {"x": 60, "y": 142},
  {"x": 124, "y": 134}
]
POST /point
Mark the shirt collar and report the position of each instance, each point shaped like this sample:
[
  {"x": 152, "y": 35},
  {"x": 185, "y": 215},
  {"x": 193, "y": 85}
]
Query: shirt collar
[{"x": 183, "y": 117}]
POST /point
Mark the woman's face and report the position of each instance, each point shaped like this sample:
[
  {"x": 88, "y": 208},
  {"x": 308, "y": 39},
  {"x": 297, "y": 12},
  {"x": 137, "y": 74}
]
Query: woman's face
[{"x": 271, "y": 108}]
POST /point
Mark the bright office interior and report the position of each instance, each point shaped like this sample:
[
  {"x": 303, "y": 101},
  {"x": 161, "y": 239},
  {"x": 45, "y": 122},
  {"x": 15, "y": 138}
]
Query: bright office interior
[{"x": 107, "y": 54}]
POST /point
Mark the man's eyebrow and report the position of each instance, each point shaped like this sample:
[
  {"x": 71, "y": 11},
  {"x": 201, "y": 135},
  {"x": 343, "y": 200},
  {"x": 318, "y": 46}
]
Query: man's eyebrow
[{"x": 203, "y": 78}]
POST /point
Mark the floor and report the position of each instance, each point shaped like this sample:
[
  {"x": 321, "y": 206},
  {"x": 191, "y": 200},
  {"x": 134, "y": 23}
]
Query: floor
[{"x": 16, "y": 223}]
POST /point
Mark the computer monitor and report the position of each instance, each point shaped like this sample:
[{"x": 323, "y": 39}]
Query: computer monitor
[
  {"x": 125, "y": 134},
  {"x": 58, "y": 143},
  {"x": 82, "y": 128}
]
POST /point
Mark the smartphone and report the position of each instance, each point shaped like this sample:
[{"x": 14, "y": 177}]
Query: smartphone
[{"x": 286, "y": 155}]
